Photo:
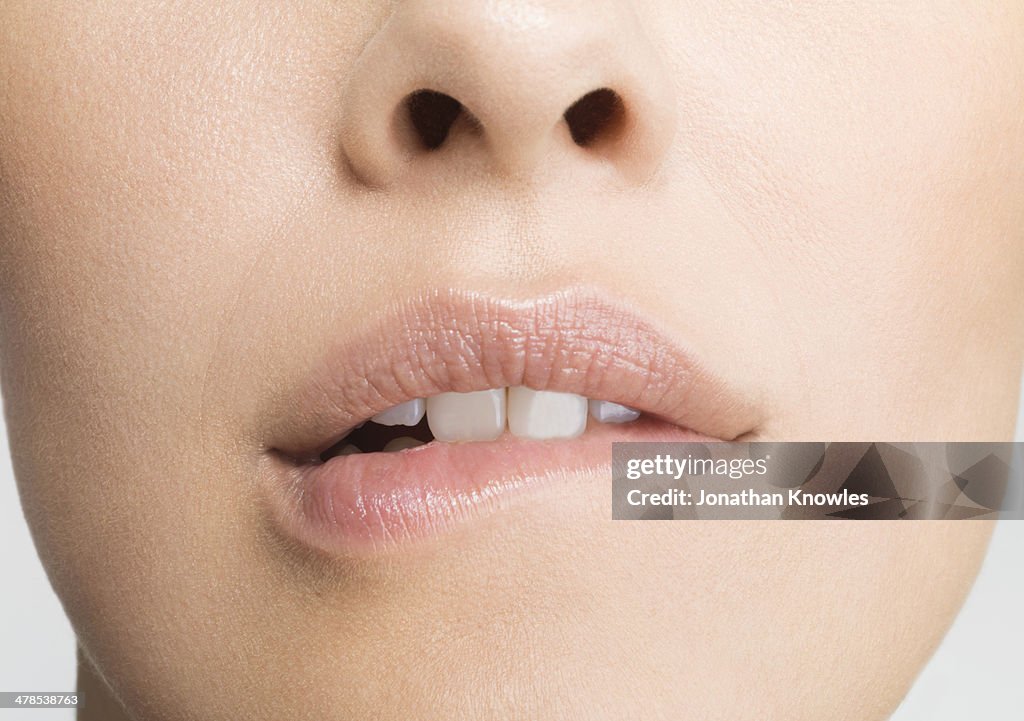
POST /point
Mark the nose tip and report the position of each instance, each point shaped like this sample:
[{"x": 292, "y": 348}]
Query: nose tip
[{"x": 507, "y": 83}]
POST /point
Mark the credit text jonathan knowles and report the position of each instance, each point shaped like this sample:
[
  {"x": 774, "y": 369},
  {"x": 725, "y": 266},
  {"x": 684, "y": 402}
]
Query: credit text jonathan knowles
[{"x": 668, "y": 466}]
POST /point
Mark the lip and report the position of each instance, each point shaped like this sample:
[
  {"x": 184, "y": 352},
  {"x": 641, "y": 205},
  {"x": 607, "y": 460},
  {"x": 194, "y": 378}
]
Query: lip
[{"x": 574, "y": 341}]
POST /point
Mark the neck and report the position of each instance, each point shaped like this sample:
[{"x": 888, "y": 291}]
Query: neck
[{"x": 99, "y": 703}]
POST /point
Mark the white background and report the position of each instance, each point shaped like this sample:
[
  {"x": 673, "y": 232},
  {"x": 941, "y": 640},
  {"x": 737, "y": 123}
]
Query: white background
[{"x": 976, "y": 673}]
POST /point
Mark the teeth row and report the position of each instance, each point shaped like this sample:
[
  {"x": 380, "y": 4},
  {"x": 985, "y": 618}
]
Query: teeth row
[{"x": 482, "y": 415}]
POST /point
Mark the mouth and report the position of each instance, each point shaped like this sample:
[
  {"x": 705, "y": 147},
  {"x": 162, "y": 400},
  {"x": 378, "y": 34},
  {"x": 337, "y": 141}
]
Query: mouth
[{"x": 446, "y": 406}]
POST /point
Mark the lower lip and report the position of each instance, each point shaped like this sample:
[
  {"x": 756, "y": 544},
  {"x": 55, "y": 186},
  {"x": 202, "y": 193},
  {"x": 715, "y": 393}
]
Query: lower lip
[{"x": 374, "y": 502}]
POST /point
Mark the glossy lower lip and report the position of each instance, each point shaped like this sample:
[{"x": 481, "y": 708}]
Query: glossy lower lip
[
  {"x": 374, "y": 502},
  {"x": 571, "y": 341}
]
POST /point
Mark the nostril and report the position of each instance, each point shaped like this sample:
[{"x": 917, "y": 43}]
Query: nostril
[
  {"x": 597, "y": 116},
  {"x": 432, "y": 115}
]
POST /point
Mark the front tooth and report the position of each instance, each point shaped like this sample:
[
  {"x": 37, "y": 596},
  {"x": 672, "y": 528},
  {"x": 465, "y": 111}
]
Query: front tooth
[
  {"x": 404, "y": 414},
  {"x": 608, "y": 412},
  {"x": 349, "y": 450},
  {"x": 477, "y": 416},
  {"x": 401, "y": 443},
  {"x": 545, "y": 414}
]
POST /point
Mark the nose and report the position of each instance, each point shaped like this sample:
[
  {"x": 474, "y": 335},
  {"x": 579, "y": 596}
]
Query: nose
[{"x": 507, "y": 84}]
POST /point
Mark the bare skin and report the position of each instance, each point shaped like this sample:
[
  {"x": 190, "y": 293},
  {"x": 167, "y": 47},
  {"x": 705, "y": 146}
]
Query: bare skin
[{"x": 196, "y": 198}]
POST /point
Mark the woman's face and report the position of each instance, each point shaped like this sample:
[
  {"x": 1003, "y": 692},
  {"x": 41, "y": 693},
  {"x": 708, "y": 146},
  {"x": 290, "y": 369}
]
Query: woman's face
[{"x": 222, "y": 230}]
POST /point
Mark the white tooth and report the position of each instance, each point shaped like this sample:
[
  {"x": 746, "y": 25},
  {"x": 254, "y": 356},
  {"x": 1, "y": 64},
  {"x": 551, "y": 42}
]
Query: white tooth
[
  {"x": 404, "y": 414},
  {"x": 545, "y": 414},
  {"x": 478, "y": 416},
  {"x": 401, "y": 443},
  {"x": 608, "y": 412},
  {"x": 349, "y": 450}
]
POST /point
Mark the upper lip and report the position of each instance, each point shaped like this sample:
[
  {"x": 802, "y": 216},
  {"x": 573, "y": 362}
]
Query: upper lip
[{"x": 575, "y": 341}]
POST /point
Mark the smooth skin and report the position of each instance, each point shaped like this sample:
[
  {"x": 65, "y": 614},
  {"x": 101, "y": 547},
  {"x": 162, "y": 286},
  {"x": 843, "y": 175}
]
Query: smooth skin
[{"x": 825, "y": 200}]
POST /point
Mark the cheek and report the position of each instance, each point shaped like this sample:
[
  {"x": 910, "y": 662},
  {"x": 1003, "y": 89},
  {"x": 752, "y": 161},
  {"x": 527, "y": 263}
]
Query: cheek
[
  {"x": 131, "y": 204},
  {"x": 137, "y": 191},
  {"x": 878, "y": 177}
]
